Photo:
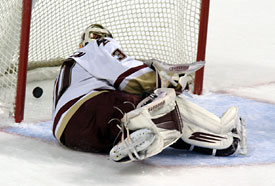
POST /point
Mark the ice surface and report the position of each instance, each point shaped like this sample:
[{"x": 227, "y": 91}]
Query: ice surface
[{"x": 240, "y": 65}]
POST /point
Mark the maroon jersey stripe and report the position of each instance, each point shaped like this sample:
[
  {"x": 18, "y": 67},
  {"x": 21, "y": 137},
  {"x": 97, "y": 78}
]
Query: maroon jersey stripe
[{"x": 127, "y": 73}]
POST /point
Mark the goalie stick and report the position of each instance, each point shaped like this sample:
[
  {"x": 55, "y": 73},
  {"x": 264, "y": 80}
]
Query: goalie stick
[
  {"x": 175, "y": 74},
  {"x": 178, "y": 68}
]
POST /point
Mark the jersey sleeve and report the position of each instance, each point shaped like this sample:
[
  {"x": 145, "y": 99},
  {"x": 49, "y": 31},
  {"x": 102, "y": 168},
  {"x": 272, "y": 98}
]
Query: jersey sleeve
[{"x": 105, "y": 60}]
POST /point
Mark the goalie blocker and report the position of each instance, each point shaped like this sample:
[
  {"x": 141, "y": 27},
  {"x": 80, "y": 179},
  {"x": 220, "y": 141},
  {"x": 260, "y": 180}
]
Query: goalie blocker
[{"x": 164, "y": 119}]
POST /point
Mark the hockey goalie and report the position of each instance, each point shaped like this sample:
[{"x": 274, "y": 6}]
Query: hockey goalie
[{"x": 108, "y": 102}]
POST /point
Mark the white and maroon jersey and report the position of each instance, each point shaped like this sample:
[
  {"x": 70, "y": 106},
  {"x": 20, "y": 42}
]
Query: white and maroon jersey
[{"x": 100, "y": 65}]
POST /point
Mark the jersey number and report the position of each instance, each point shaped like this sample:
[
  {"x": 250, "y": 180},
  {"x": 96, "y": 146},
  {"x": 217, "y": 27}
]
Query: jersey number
[{"x": 119, "y": 54}]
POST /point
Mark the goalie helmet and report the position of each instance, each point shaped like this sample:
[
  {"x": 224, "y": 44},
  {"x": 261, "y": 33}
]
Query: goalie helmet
[{"x": 92, "y": 32}]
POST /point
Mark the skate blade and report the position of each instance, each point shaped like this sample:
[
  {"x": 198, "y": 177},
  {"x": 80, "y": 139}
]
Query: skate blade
[{"x": 243, "y": 142}]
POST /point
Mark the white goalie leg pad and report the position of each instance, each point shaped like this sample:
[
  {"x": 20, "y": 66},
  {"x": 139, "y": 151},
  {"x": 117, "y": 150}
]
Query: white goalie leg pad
[
  {"x": 150, "y": 115},
  {"x": 198, "y": 116},
  {"x": 200, "y": 137},
  {"x": 204, "y": 129}
]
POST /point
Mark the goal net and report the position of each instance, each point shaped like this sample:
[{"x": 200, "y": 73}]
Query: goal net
[{"x": 167, "y": 30}]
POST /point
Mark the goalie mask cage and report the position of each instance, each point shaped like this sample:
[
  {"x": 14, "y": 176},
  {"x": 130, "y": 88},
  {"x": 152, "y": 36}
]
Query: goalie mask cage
[{"x": 41, "y": 33}]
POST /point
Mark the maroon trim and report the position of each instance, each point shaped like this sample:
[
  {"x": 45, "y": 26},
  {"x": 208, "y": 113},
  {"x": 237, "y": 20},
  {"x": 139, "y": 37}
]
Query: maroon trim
[
  {"x": 170, "y": 121},
  {"x": 205, "y": 137},
  {"x": 127, "y": 73},
  {"x": 56, "y": 89},
  {"x": 62, "y": 110},
  {"x": 66, "y": 77}
]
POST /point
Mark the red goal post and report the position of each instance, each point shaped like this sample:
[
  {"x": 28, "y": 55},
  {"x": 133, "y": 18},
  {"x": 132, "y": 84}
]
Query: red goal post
[
  {"x": 169, "y": 26},
  {"x": 23, "y": 61},
  {"x": 198, "y": 85}
]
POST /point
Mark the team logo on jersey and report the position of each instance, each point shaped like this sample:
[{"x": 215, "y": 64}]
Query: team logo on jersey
[
  {"x": 205, "y": 137},
  {"x": 78, "y": 54},
  {"x": 102, "y": 41}
]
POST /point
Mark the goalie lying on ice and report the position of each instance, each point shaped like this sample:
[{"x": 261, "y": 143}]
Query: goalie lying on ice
[{"x": 100, "y": 105}]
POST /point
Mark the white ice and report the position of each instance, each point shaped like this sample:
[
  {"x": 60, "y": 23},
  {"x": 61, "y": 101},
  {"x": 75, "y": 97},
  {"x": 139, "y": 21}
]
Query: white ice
[{"x": 240, "y": 62}]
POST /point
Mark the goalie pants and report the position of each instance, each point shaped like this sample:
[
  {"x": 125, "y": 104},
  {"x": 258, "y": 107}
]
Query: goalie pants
[{"x": 90, "y": 129}]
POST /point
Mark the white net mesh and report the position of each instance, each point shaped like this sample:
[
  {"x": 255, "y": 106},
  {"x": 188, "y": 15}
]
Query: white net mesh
[
  {"x": 166, "y": 29},
  {"x": 10, "y": 25},
  {"x": 162, "y": 29}
]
